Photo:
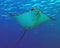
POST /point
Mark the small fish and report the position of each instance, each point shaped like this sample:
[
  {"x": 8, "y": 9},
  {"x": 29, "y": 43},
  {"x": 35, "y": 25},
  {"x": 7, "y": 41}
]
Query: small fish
[
  {"x": 33, "y": 9},
  {"x": 52, "y": 18},
  {"x": 12, "y": 14}
]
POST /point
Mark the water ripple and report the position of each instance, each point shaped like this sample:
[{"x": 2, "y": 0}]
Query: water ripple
[{"x": 50, "y": 7}]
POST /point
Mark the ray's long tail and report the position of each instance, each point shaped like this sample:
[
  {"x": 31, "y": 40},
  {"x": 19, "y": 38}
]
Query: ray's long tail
[{"x": 20, "y": 39}]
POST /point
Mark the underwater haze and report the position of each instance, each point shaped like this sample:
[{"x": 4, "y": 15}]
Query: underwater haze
[{"x": 46, "y": 35}]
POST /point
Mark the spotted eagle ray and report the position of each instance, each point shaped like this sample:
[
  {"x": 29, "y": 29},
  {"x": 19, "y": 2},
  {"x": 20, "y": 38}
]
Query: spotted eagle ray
[{"x": 30, "y": 19}]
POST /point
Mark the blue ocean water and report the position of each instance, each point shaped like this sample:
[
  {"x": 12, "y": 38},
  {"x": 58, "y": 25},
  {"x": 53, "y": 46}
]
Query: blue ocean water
[{"x": 46, "y": 35}]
